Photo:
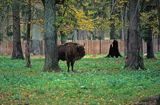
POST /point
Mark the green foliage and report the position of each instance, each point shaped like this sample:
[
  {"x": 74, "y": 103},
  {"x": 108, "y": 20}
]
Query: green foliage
[
  {"x": 65, "y": 19},
  {"x": 71, "y": 17},
  {"x": 149, "y": 19},
  {"x": 84, "y": 22},
  {"x": 98, "y": 81},
  {"x": 5, "y": 5}
]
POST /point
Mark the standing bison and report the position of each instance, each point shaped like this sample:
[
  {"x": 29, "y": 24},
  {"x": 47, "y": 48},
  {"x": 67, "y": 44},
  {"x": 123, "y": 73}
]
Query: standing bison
[{"x": 70, "y": 52}]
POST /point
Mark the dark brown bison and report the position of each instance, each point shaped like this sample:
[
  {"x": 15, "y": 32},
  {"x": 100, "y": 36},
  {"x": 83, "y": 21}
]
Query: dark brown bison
[{"x": 70, "y": 52}]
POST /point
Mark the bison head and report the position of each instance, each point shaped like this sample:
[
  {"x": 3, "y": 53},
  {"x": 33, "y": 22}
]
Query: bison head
[{"x": 81, "y": 50}]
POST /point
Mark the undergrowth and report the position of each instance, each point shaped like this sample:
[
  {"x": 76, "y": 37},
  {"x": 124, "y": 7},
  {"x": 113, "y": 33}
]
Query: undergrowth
[{"x": 98, "y": 81}]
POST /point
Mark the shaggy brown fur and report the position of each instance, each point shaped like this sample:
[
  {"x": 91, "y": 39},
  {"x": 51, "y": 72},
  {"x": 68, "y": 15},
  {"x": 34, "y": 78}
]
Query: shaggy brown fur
[{"x": 70, "y": 52}]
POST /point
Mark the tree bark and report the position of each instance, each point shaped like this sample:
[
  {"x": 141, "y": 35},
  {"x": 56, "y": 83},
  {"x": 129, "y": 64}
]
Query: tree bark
[
  {"x": 134, "y": 59},
  {"x": 17, "y": 48},
  {"x": 112, "y": 26},
  {"x": 112, "y": 31},
  {"x": 124, "y": 22},
  {"x": 150, "y": 52},
  {"x": 125, "y": 29},
  {"x": 159, "y": 42},
  {"x": 75, "y": 35},
  {"x": 158, "y": 6},
  {"x": 27, "y": 43},
  {"x": 50, "y": 37},
  {"x": 63, "y": 37}
]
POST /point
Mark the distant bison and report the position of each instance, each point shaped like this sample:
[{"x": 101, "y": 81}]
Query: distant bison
[{"x": 70, "y": 52}]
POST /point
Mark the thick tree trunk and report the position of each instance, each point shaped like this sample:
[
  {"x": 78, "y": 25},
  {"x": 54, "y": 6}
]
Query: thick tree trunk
[
  {"x": 150, "y": 52},
  {"x": 17, "y": 48},
  {"x": 27, "y": 44},
  {"x": 50, "y": 38},
  {"x": 134, "y": 59}
]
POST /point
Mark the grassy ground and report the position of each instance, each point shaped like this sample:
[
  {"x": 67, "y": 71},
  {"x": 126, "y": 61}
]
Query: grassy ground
[{"x": 99, "y": 81}]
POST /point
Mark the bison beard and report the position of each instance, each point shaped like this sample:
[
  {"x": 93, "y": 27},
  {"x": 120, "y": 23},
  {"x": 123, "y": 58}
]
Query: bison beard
[{"x": 70, "y": 52}]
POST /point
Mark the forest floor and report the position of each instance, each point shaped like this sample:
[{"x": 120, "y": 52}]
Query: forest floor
[{"x": 98, "y": 81}]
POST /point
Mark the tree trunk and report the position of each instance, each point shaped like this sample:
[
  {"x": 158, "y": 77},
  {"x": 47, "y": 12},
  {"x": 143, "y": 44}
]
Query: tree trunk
[
  {"x": 112, "y": 31},
  {"x": 124, "y": 22},
  {"x": 112, "y": 26},
  {"x": 17, "y": 48},
  {"x": 125, "y": 29},
  {"x": 158, "y": 5},
  {"x": 50, "y": 37},
  {"x": 121, "y": 17},
  {"x": 27, "y": 44},
  {"x": 113, "y": 50},
  {"x": 150, "y": 52},
  {"x": 75, "y": 35},
  {"x": 134, "y": 59},
  {"x": 63, "y": 37},
  {"x": 159, "y": 42}
]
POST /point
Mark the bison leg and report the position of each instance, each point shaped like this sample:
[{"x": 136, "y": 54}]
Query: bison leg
[
  {"x": 72, "y": 64},
  {"x": 68, "y": 65}
]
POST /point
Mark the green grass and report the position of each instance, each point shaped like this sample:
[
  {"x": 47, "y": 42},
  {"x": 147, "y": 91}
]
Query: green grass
[{"x": 99, "y": 81}]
